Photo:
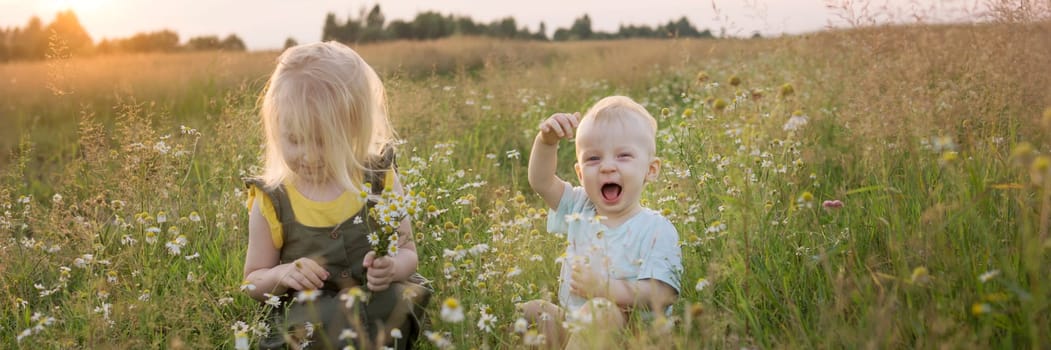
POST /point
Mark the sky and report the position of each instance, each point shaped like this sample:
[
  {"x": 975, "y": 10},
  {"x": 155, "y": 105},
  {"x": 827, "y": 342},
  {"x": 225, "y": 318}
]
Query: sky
[{"x": 265, "y": 24}]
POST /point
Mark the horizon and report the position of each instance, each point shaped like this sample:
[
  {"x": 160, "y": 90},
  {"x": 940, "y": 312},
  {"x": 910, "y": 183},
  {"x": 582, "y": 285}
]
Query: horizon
[{"x": 257, "y": 29}]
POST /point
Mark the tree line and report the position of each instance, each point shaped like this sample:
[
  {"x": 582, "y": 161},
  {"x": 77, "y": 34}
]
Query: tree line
[
  {"x": 372, "y": 26},
  {"x": 67, "y": 36}
]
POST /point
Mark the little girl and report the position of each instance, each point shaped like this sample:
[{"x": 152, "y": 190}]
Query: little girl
[{"x": 328, "y": 139}]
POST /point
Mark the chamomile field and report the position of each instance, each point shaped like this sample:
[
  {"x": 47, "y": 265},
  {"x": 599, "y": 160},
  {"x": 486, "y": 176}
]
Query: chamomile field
[{"x": 883, "y": 187}]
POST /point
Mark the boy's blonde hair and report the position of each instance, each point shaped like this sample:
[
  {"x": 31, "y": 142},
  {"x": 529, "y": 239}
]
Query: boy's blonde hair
[
  {"x": 620, "y": 110},
  {"x": 327, "y": 96}
]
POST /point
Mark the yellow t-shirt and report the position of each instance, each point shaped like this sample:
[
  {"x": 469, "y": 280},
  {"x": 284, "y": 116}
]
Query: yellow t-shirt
[{"x": 308, "y": 212}]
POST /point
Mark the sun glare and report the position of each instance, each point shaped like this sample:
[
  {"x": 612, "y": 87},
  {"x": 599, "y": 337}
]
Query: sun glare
[{"x": 81, "y": 7}]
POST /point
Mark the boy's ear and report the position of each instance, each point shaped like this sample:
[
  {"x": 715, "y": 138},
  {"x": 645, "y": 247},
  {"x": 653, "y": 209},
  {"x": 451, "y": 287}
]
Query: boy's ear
[
  {"x": 654, "y": 170},
  {"x": 580, "y": 175}
]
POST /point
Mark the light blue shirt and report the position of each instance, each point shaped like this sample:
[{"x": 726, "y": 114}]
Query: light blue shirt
[{"x": 646, "y": 246}]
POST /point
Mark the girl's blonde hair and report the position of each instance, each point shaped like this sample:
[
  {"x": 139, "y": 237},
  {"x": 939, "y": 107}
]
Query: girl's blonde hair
[
  {"x": 621, "y": 109},
  {"x": 327, "y": 96}
]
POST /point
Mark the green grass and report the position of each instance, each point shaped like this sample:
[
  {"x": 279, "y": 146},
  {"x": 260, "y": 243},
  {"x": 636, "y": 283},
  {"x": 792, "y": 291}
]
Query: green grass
[{"x": 899, "y": 265}]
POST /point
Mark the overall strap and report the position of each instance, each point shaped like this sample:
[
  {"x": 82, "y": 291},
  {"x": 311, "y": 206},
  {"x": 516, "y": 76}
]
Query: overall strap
[
  {"x": 283, "y": 206},
  {"x": 279, "y": 199}
]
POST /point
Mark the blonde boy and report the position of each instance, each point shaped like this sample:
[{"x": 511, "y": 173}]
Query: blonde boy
[{"x": 619, "y": 253}]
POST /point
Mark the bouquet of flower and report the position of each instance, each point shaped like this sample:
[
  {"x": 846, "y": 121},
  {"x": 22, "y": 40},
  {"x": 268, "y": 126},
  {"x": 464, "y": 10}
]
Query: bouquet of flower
[{"x": 388, "y": 212}]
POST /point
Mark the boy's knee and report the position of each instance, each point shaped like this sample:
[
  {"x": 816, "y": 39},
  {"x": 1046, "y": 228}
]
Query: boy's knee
[
  {"x": 532, "y": 309},
  {"x": 548, "y": 319},
  {"x": 603, "y": 312}
]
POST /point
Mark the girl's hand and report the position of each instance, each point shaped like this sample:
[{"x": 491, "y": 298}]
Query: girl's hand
[
  {"x": 559, "y": 126},
  {"x": 380, "y": 271},
  {"x": 303, "y": 274},
  {"x": 585, "y": 282}
]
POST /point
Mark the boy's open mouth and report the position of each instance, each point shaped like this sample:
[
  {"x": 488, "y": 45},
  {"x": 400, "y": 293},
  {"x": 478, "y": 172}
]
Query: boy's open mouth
[{"x": 611, "y": 192}]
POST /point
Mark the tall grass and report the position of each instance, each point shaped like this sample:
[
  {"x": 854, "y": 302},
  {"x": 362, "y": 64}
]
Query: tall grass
[{"x": 933, "y": 139}]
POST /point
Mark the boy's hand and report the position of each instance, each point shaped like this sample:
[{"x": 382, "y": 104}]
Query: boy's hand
[
  {"x": 380, "y": 271},
  {"x": 587, "y": 283},
  {"x": 559, "y": 126},
  {"x": 303, "y": 274}
]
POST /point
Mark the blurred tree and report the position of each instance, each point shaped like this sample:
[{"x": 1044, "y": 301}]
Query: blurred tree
[
  {"x": 682, "y": 28},
  {"x": 212, "y": 42},
  {"x": 233, "y": 43},
  {"x": 201, "y": 43},
  {"x": 370, "y": 25},
  {"x": 5, "y": 45},
  {"x": 375, "y": 19},
  {"x": 348, "y": 32},
  {"x": 399, "y": 29},
  {"x": 465, "y": 26},
  {"x": 290, "y": 42},
  {"x": 581, "y": 28},
  {"x": 351, "y": 32},
  {"x": 431, "y": 25},
  {"x": 106, "y": 46},
  {"x": 66, "y": 28},
  {"x": 505, "y": 28},
  {"x": 163, "y": 40},
  {"x": 30, "y": 42},
  {"x": 632, "y": 31},
  {"x": 561, "y": 34},
  {"x": 330, "y": 31},
  {"x": 373, "y": 30}
]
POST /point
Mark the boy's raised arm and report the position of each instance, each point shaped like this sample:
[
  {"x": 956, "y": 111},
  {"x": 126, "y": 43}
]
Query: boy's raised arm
[{"x": 543, "y": 159}]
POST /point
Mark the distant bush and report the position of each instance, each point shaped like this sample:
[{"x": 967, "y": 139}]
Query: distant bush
[
  {"x": 33, "y": 41},
  {"x": 370, "y": 27}
]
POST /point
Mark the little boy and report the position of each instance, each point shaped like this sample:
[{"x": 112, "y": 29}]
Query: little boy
[{"x": 619, "y": 253}]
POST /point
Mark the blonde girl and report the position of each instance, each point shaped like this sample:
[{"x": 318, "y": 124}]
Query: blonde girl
[{"x": 327, "y": 139}]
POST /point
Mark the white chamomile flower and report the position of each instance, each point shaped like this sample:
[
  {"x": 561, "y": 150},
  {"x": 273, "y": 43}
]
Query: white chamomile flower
[
  {"x": 702, "y": 283},
  {"x": 307, "y": 295},
  {"x": 272, "y": 300},
  {"x": 452, "y": 311}
]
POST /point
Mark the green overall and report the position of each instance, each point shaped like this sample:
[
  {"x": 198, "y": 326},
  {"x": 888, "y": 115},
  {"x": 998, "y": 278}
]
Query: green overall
[{"x": 341, "y": 251}]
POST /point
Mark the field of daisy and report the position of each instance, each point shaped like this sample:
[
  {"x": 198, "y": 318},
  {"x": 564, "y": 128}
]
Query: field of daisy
[{"x": 877, "y": 188}]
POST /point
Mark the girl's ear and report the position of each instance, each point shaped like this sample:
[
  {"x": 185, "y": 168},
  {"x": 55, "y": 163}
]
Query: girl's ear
[{"x": 654, "y": 170}]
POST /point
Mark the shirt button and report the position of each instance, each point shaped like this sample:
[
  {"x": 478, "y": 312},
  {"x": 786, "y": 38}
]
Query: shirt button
[
  {"x": 344, "y": 274},
  {"x": 334, "y": 235}
]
